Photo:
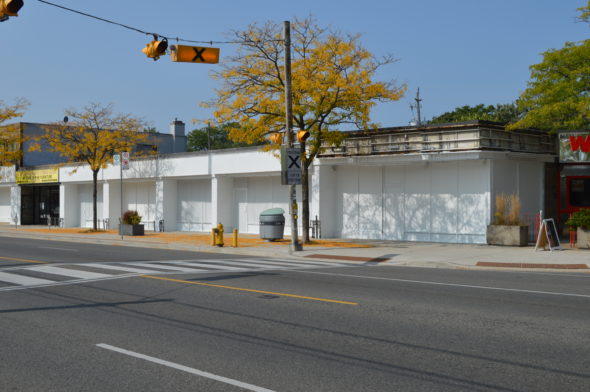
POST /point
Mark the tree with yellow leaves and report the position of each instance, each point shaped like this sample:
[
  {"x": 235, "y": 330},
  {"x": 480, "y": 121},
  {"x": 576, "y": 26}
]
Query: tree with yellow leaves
[
  {"x": 91, "y": 137},
  {"x": 11, "y": 138},
  {"x": 332, "y": 87}
]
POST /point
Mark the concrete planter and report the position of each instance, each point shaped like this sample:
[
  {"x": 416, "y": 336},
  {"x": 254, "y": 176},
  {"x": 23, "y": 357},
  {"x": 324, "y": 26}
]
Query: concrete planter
[
  {"x": 507, "y": 235},
  {"x": 125, "y": 229},
  {"x": 583, "y": 238}
]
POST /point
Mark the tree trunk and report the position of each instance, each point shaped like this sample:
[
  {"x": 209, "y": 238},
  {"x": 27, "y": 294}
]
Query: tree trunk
[{"x": 94, "y": 201}]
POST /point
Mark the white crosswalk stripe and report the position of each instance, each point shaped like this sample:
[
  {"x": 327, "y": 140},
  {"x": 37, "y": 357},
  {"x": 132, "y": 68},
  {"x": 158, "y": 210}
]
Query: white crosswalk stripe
[
  {"x": 117, "y": 267},
  {"x": 53, "y": 275},
  {"x": 155, "y": 267},
  {"x": 22, "y": 280},
  {"x": 62, "y": 271},
  {"x": 209, "y": 265},
  {"x": 288, "y": 264}
]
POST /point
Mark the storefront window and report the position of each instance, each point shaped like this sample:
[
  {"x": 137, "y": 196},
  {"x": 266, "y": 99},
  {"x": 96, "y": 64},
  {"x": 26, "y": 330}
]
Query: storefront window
[{"x": 580, "y": 192}]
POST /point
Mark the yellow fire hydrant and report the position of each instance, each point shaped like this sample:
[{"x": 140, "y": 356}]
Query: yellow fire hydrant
[{"x": 219, "y": 235}]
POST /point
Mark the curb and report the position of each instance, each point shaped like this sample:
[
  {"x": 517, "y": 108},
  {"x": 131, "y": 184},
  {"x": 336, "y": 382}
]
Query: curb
[
  {"x": 530, "y": 265},
  {"x": 349, "y": 258},
  {"x": 308, "y": 254}
]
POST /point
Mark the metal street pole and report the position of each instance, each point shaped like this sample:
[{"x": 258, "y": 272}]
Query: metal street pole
[
  {"x": 121, "y": 181},
  {"x": 295, "y": 245}
]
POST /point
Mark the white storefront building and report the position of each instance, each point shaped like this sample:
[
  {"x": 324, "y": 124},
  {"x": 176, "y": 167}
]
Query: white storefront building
[{"x": 417, "y": 184}]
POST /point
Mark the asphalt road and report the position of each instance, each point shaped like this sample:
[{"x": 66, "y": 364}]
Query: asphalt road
[{"x": 263, "y": 324}]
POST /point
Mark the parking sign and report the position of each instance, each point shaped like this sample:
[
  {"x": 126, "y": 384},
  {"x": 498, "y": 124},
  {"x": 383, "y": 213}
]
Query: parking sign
[{"x": 125, "y": 160}]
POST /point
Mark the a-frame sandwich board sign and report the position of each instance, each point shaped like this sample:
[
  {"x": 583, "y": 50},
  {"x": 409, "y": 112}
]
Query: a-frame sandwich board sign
[{"x": 548, "y": 236}]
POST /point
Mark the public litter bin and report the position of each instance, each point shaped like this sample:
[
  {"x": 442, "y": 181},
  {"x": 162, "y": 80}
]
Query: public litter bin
[{"x": 272, "y": 224}]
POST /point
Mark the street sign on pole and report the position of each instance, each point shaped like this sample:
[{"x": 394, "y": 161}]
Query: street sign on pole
[
  {"x": 290, "y": 166},
  {"x": 125, "y": 160}
]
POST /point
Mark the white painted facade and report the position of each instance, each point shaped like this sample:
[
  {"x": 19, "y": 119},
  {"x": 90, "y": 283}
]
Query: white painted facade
[{"x": 439, "y": 197}]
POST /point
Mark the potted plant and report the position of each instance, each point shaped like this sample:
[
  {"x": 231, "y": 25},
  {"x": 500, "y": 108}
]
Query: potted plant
[
  {"x": 508, "y": 228},
  {"x": 130, "y": 224},
  {"x": 580, "y": 222}
]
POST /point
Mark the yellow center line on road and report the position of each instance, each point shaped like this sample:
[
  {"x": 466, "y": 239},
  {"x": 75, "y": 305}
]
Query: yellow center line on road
[
  {"x": 24, "y": 260},
  {"x": 250, "y": 290}
]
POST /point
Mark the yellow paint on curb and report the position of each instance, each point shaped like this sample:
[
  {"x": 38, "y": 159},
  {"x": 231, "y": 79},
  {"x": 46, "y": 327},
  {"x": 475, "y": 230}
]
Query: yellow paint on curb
[
  {"x": 250, "y": 290},
  {"x": 24, "y": 260}
]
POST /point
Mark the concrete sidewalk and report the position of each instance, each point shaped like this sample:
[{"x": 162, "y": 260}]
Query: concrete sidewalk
[{"x": 419, "y": 254}]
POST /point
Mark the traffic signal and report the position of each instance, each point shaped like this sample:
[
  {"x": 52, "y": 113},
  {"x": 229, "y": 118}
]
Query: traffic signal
[
  {"x": 10, "y": 7},
  {"x": 276, "y": 138},
  {"x": 156, "y": 48},
  {"x": 194, "y": 54},
  {"x": 302, "y": 136}
]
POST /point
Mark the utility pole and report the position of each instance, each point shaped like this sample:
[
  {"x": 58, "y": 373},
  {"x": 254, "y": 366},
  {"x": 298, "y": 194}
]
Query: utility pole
[
  {"x": 121, "y": 193},
  {"x": 418, "y": 100},
  {"x": 295, "y": 245}
]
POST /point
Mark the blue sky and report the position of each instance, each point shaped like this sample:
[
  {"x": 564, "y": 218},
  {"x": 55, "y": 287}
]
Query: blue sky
[{"x": 458, "y": 52}]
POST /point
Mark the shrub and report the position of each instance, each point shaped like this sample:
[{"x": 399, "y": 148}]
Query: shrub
[
  {"x": 131, "y": 218},
  {"x": 507, "y": 210},
  {"x": 501, "y": 202},
  {"x": 579, "y": 219},
  {"x": 513, "y": 217}
]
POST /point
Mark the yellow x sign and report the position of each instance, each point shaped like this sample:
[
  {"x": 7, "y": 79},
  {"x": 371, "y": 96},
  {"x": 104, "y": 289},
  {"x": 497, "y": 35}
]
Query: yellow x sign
[{"x": 194, "y": 54}]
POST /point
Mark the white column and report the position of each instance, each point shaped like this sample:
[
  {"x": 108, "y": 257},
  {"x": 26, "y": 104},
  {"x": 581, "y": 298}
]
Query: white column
[
  {"x": 166, "y": 203},
  {"x": 106, "y": 201},
  {"x": 114, "y": 204},
  {"x": 69, "y": 206},
  {"x": 221, "y": 202},
  {"x": 214, "y": 201},
  {"x": 324, "y": 199},
  {"x": 15, "y": 200},
  {"x": 314, "y": 190}
]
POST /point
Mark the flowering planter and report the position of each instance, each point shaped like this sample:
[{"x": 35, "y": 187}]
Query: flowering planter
[
  {"x": 583, "y": 238},
  {"x": 507, "y": 235},
  {"x": 125, "y": 229}
]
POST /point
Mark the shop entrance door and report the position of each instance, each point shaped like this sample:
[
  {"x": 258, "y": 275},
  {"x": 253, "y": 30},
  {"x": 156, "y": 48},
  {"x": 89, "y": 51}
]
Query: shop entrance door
[{"x": 39, "y": 205}]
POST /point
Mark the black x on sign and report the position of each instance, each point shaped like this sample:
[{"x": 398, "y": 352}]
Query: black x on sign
[
  {"x": 290, "y": 166},
  {"x": 294, "y": 162},
  {"x": 198, "y": 54},
  {"x": 194, "y": 54}
]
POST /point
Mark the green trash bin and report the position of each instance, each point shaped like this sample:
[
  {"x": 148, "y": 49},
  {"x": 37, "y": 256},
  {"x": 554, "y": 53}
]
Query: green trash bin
[{"x": 272, "y": 224}]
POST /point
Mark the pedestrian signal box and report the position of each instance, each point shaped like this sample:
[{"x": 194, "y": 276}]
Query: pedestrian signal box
[{"x": 194, "y": 54}]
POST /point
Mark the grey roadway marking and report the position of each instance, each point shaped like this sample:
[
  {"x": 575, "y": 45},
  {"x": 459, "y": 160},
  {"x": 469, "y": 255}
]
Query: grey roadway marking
[
  {"x": 187, "y": 369},
  {"x": 446, "y": 284}
]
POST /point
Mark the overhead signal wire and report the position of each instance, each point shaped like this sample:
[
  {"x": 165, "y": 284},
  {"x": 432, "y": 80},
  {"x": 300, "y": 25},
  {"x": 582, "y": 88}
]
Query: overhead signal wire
[{"x": 178, "y": 39}]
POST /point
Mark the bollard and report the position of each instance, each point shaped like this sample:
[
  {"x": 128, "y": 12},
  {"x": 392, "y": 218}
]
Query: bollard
[
  {"x": 235, "y": 242},
  {"x": 219, "y": 239}
]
